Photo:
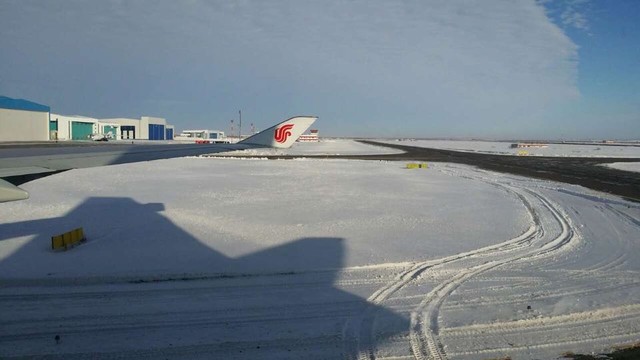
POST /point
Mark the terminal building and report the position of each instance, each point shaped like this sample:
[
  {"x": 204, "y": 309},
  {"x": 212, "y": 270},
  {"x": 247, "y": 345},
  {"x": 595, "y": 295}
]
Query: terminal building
[{"x": 23, "y": 120}]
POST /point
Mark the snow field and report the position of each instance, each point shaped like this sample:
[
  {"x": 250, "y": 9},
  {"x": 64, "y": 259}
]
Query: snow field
[
  {"x": 504, "y": 148},
  {"x": 626, "y": 166},
  {"x": 203, "y": 210},
  {"x": 317, "y": 259},
  {"x": 323, "y": 147}
]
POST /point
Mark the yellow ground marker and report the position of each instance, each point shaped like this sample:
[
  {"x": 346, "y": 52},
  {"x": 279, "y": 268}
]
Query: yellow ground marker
[{"x": 417, "y": 166}]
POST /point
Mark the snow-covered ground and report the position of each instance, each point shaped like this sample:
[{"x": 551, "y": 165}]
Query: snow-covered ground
[
  {"x": 232, "y": 258},
  {"x": 323, "y": 147},
  {"x": 235, "y": 208},
  {"x": 504, "y": 148},
  {"x": 626, "y": 166}
]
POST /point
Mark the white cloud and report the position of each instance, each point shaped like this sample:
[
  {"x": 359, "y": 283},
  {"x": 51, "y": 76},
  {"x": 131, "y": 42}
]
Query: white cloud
[
  {"x": 439, "y": 64},
  {"x": 574, "y": 14}
]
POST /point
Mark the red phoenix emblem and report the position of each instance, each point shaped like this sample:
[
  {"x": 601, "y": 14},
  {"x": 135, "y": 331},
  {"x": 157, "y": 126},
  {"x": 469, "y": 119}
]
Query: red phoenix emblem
[{"x": 283, "y": 133}]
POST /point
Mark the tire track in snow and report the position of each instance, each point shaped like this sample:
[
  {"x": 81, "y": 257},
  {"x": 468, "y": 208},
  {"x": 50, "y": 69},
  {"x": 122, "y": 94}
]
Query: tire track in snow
[
  {"x": 562, "y": 344},
  {"x": 424, "y": 331},
  {"x": 619, "y": 324},
  {"x": 382, "y": 294},
  {"x": 425, "y": 342},
  {"x": 624, "y": 215},
  {"x": 195, "y": 321},
  {"x": 578, "y": 290},
  {"x": 358, "y": 333},
  {"x": 599, "y": 316},
  {"x": 354, "y": 333}
]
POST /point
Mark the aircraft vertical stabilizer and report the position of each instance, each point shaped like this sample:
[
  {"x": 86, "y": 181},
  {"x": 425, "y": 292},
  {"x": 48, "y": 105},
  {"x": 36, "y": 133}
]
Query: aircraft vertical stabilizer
[{"x": 282, "y": 135}]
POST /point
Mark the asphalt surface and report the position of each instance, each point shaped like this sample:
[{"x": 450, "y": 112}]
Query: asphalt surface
[{"x": 588, "y": 172}]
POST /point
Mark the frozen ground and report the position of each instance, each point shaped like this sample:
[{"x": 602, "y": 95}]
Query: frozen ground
[
  {"x": 633, "y": 166},
  {"x": 504, "y": 148},
  {"x": 218, "y": 258}
]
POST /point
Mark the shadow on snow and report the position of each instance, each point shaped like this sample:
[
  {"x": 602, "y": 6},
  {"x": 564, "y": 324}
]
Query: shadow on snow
[{"x": 134, "y": 244}]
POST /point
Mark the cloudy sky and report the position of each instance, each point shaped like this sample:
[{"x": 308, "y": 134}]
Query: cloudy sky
[{"x": 438, "y": 68}]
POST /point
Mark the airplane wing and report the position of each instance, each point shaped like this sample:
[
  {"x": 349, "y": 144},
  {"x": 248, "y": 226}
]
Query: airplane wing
[{"x": 23, "y": 163}]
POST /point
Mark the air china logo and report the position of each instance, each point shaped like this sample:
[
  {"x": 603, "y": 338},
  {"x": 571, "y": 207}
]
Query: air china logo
[{"x": 283, "y": 133}]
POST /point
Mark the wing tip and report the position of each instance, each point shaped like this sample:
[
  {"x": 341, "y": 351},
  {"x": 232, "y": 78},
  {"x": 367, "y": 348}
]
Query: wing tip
[{"x": 10, "y": 192}]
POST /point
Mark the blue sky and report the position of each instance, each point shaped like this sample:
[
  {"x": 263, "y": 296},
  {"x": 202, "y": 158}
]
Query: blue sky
[{"x": 485, "y": 69}]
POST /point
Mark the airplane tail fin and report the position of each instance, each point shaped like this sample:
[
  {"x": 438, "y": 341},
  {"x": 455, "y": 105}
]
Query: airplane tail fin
[{"x": 282, "y": 135}]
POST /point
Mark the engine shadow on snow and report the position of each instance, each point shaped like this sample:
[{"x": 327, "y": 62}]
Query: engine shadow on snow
[{"x": 122, "y": 233}]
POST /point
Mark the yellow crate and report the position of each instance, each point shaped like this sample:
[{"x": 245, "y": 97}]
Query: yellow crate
[
  {"x": 57, "y": 242},
  {"x": 67, "y": 239},
  {"x": 78, "y": 235}
]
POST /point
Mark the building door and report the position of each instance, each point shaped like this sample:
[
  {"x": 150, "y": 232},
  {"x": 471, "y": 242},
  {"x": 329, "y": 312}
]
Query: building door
[
  {"x": 53, "y": 130},
  {"x": 156, "y": 132},
  {"x": 127, "y": 132},
  {"x": 81, "y": 130},
  {"x": 109, "y": 131}
]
